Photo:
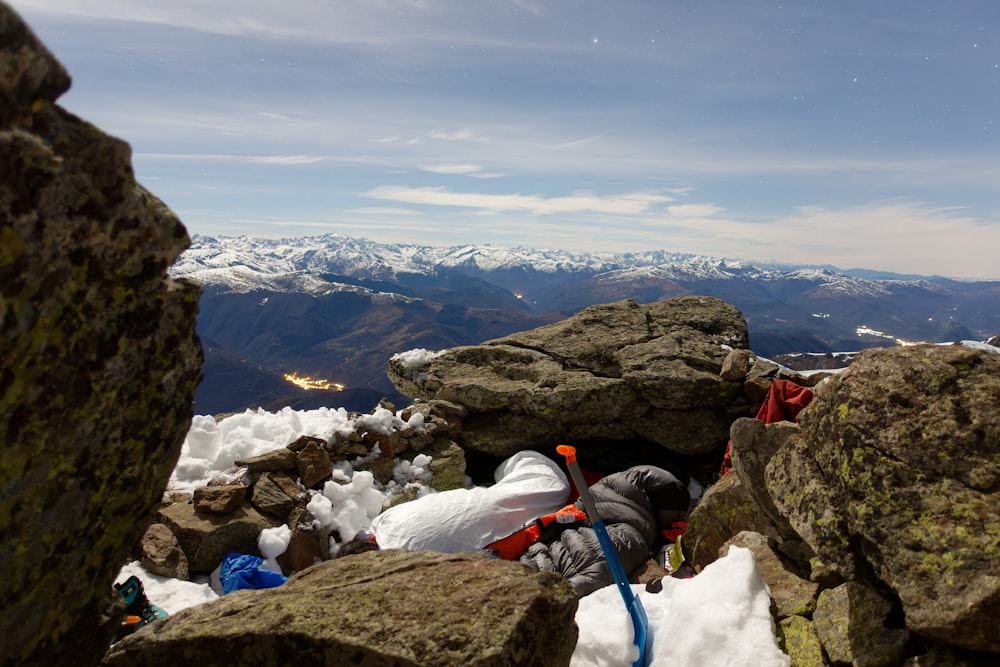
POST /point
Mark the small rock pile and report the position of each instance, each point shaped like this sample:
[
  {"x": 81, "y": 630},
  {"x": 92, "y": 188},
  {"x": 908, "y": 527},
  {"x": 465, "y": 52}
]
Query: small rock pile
[{"x": 192, "y": 533}]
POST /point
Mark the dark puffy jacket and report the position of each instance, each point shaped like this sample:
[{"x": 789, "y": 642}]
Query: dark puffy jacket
[{"x": 630, "y": 503}]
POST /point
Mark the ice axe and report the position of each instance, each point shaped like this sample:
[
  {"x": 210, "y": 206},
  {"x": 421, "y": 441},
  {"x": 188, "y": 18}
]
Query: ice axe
[{"x": 643, "y": 640}]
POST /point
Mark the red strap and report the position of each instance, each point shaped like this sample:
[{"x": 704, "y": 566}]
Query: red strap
[{"x": 515, "y": 544}]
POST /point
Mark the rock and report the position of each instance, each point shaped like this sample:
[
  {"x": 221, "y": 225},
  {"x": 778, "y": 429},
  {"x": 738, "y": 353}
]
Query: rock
[
  {"x": 647, "y": 572},
  {"x": 314, "y": 465},
  {"x": 162, "y": 554},
  {"x": 231, "y": 476},
  {"x": 758, "y": 381},
  {"x": 726, "y": 509},
  {"x": 303, "y": 441},
  {"x": 620, "y": 371},
  {"x": 895, "y": 471},
  {"x": 207, "y": 538},
  {"x": 447, "y": 465},
  {"x": 389, "y": 444},
  {"x": 281, "y": 459},
  {"x": 737, "y": 365},
  {"x": 374, "y": 608},
  {"x": 379, "y": 466},
  {"x": 948, "y": 656},
  {"x": 797, "y": 637},
  {"x": 292, "y": 487},
  {"x": 268, "y": 497},
  {"x": 99, "y": 366},
  {"x": 792, "y": 595},
  {"x": 754, "y": 443},
  {"x": 219, "y": 499},
  {"x": 850, "y": 621},
  {"x": 307, "y": 545}
]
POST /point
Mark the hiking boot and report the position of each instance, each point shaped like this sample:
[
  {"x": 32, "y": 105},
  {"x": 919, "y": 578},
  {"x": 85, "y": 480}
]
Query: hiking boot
[{"x": 136, "y": 602}]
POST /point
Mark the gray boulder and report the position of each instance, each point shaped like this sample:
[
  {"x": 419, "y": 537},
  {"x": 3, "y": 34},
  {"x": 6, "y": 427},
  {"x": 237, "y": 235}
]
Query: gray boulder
[
  {"x": 375, "y": 608},
  {"x": 894, "y": 475},
  {"x": 621, "y": 371},
  {"x": 99, "y": 366}
]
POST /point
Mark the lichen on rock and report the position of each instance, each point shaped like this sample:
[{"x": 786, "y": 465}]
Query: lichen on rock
[{"x": 99, "y": 359}]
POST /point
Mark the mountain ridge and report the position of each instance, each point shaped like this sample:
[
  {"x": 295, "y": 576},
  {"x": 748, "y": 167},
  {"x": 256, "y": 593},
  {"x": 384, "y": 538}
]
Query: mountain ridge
[{"x": 339, "y": 307}]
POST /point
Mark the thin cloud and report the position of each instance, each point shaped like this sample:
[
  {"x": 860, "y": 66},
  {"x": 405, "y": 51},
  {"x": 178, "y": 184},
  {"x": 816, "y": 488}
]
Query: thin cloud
[
  {"x": 465, "y": 134},
  {"x": 220, "y": 157},
  {"x": 284, "y": 159},
  {"x": 452, "y": 168},
  {"x": 627, "y": 204},
  {"x": 903, "y": 236},
  {"x": 385, "y": 210},
  {"x": 694, "y": 210},
  {"x": 275, "y": 116}
]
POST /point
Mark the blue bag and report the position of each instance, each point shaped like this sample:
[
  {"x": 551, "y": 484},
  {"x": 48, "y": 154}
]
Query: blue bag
[{"x": 244, "y": 571}]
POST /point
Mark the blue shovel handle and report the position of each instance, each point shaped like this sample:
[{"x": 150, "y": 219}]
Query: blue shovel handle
[{"x": 641, "y": 636}]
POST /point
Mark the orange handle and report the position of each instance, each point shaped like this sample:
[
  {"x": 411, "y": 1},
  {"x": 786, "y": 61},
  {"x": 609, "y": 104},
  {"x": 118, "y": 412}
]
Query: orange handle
[{"x": 569, "y": 451}]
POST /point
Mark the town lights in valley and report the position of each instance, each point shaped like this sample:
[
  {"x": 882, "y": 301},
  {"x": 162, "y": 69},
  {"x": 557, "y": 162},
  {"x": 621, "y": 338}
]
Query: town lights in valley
[{"x": 306, "y": 382}]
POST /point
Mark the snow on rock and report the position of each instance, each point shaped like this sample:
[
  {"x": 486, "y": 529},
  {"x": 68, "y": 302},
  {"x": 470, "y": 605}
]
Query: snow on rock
[
  {"x": 212, "y": 447},
  {"x": 416, "y": 358},
  {"x": 272, "y": 542}
]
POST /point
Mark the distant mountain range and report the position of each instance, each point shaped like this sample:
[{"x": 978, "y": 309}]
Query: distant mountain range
[{"x": 336, "y": 308}]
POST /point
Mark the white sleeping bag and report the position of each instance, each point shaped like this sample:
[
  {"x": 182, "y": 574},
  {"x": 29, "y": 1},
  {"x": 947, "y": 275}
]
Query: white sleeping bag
[{"x": 528, "y": 485}]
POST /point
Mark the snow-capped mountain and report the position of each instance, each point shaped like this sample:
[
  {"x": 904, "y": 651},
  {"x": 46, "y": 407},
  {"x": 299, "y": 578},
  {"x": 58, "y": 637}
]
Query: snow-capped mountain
[{"x": 339, "y": 307}]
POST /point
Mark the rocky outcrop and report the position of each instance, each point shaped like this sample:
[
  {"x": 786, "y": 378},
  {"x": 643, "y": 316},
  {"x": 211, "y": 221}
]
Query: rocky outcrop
[
  {"x": 617, "y": 372},
  {"x": 895, "y": 475},
  {"x": 274, "y": 488},
  {"x": 875, "y": 517},
  {"x": 375, "y": 608},
  {"x": 99, "y": 360}
]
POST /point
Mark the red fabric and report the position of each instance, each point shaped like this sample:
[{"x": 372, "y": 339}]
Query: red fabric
[
  {"x": 589, "y": 476},
  {"x": 515, "y": 544},
  {"x": 677, "y": 528},
  {"x": 784, "y": 401}
]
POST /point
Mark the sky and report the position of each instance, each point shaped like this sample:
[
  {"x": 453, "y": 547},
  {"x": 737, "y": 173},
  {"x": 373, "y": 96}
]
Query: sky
[
  {"x": 719, "y": 617},
  {"x": 846, "y": 132}
]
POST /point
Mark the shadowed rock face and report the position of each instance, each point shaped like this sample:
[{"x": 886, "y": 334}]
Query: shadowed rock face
[
  {"x": 98, "y": 360},
  {"x": 375, "y": 608}
]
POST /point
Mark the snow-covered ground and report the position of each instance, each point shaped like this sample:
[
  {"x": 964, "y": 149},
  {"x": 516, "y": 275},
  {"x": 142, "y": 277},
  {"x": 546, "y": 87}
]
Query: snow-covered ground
[{"x": 720, "y": 617}]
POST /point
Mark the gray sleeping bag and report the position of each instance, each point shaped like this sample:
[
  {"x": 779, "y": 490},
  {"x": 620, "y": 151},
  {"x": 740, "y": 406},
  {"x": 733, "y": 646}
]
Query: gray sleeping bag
[{"x": 635, "y": 505}]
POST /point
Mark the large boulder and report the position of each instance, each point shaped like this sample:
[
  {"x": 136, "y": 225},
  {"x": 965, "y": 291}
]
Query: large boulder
[
  {"x": 615, "y": 372},
  {"x": 739, "y": 501},
  {"x": 894, "y": 475},
  {"x": 99, "y": 360},
  {"x": 375, "y": 608}
]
